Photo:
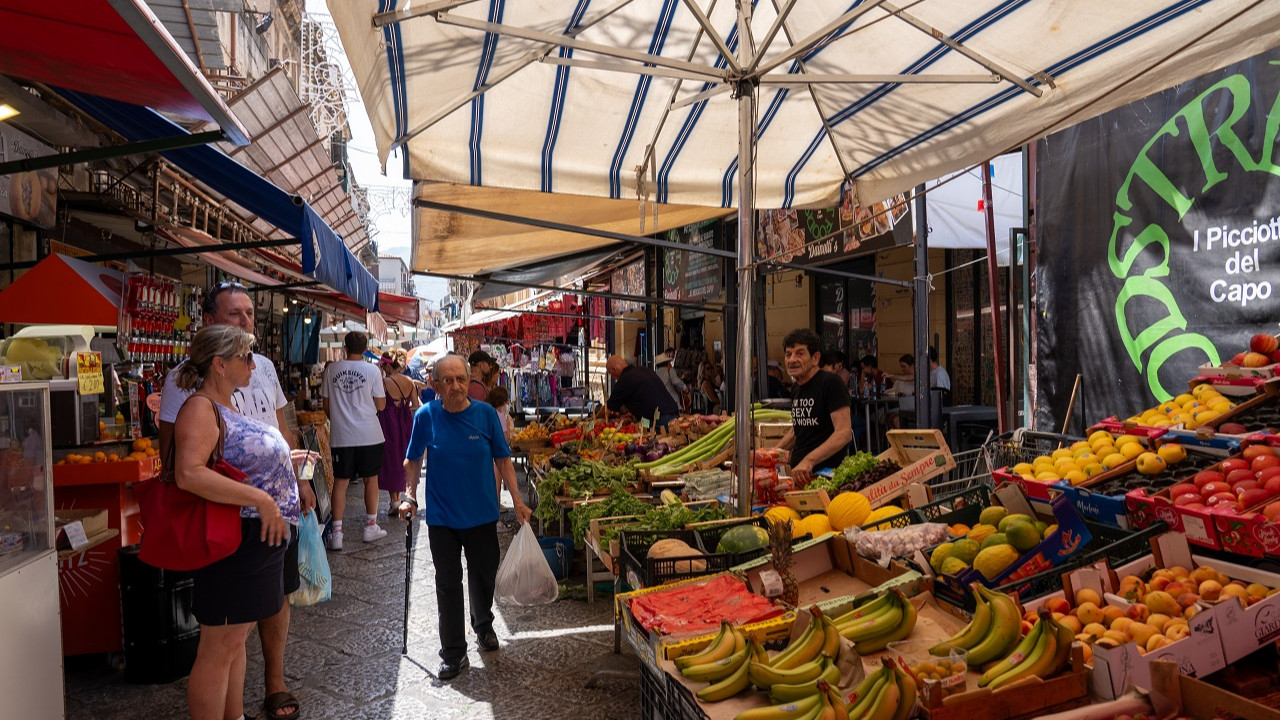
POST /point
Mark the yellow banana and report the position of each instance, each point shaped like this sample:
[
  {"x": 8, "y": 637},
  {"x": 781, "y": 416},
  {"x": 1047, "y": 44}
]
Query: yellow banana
[
  {"x": 886, "y": 705},
  {"x": 1006, "y": 626},
  {"x": 867, "y": 694},
  {"x": 830, "y": 638},
  {"x": 739, "y": 640},
  {"x": 1015, "y": 658},
  {"x": 758, "y": 653},
  {"x": 1038, "y": 663},
  {"x": 906, "y": 693},
  {"x": 713, "y": 672},
  {"x": 783, "y": 692},
  {"x": 727, "y": 687},
  {"x": 721, "y": 646},
  {"x": 973, "y": 633},
  {"x": 766, "y": 676},
  {"x": 904, "y": 628},
  {"x": 832, "y": 691},
  {"x": 871, "y": 627},
  {"x": 827, "y": 711},
  {"x": 810, "y": 649},
  {"x": 786, "y": 711},
  {"x": 785, "y": 657},
  {"x": 872, "y": 607}
]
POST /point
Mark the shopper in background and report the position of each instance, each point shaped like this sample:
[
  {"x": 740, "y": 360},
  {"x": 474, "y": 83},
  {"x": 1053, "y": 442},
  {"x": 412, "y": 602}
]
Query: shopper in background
[
  {"x": 904, "y": 387},
  {"x": 229, "y": 303},
  {"x": 396, "y": 419},
  {"x": 640, "y": 392},
  {"x": 938, "y": 377},
  {"x": 820, "y": 429},
  {"x": 460, "y": 440},
  {"x": 354, "y": 394},
  {"x": 870, "y": 379},
  {"x": 833, "y": 361},
  {"x": 676, "y": 387},
  {"x": 483, "y": 367},
  {"x": 246, "y": 587},
  {"x": 710, "y": 382},
  {"x": 776, "y": 387}
]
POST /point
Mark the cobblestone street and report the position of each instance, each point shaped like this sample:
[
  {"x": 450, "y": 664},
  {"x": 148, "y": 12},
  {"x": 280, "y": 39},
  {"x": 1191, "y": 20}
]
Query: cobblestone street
[{"x": 344, "y": 659}]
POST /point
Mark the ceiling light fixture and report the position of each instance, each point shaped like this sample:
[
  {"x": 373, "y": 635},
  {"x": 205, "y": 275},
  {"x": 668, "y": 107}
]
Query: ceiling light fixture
[{"x": 7, "y": 111}]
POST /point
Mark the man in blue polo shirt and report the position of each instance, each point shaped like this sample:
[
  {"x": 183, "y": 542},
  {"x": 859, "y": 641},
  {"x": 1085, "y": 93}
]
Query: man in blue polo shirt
[{"x": 462, "y": 441}]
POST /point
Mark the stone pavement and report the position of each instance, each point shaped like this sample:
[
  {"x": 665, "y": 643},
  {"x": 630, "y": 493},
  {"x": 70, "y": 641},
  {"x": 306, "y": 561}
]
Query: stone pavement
[{"x": 343, "y": 659}]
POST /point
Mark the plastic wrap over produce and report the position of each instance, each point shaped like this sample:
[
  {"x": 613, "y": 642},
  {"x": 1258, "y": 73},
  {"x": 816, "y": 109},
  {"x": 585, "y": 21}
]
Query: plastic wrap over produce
[{"x": 884, "y": 545}]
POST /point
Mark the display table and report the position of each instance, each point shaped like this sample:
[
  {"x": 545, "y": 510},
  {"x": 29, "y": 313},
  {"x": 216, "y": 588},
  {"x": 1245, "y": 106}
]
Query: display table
[{"x": 90, "y": 580}]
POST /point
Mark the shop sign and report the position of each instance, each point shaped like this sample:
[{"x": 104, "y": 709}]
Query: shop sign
[
  {"x": 690, "y": 275},
  {"x": 1159, "y": 240},
  {"x": 89, "y": 372},
  {"x": 11, "y": 373},
  {"x": 28, "y": 196},
  {"x": 823, "y": 234}
]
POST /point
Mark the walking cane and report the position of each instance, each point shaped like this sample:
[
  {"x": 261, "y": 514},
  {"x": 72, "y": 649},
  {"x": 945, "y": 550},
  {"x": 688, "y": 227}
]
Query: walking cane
[{"x": 408, "y": 575}]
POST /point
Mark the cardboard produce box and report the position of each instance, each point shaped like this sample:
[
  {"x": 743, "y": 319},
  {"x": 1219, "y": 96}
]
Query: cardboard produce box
[
  {"x": 921, "y": 453},
  {"x": 830, "y": 572}
]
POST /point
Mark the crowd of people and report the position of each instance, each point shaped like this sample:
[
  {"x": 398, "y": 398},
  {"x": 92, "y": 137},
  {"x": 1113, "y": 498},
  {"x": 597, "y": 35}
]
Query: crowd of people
[{"x": 386, "y": 428}]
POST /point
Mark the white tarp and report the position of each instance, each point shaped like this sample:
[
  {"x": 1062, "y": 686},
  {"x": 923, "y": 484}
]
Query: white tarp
[
  {"x": 957, "y": 219},
  {"x": 607, "y": 99}
]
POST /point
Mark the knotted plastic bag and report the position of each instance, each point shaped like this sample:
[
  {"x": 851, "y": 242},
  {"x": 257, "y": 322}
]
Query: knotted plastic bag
[
  {"x": 316, "y": 582},
  {"x": 525, "y": 577}
]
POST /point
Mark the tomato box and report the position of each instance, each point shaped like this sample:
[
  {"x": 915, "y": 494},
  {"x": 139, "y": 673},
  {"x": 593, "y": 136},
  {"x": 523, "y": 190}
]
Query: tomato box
[{"x": 1072, "y": 535}]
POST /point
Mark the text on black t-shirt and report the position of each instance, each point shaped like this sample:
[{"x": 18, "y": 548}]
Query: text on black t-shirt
[{"x": 811, "y": 406}]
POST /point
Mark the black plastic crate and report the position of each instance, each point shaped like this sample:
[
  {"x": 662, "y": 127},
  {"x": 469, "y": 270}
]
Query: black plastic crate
[
  {"x": 654, "y": 704},
  {"x": 1117, "y": 546},
  {"x": 978, "y": 496},
  {"x": 643, "y": 571},
  {"x": 683, "y": 704}
]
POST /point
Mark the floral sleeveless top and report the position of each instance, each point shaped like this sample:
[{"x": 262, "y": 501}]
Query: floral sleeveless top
[{"x": 262, "y": 453}]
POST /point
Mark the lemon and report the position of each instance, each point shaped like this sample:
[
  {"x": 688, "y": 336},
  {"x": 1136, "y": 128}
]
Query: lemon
[
  {"x": 1220, "y": 404},
  {"x": 1205, "y": 416},
  {"x": 1184, "y": 398},
  {"x": 1048, "y": 476},
  {"x": 1127, "y": 440},
  {"x": 1080, "y": 445},
  {"x": 1022, "y": 468}
]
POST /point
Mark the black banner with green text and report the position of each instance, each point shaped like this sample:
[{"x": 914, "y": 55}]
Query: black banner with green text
[{"x": 1158, "y": 228}]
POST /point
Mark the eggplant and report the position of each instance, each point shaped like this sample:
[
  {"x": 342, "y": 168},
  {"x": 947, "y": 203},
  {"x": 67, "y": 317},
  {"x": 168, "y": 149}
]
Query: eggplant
[
  {"x": 632, "y": 447},
  {"x": 664, "y": 448},
  {"x": 652, "y": 455}
]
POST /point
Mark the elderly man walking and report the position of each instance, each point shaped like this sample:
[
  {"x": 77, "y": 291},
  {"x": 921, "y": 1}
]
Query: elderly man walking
[{"x": 461, "y": 441}]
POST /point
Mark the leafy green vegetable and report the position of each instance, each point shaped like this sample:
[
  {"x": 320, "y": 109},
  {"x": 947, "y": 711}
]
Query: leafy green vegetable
[
  {"x": 859, "y": 463},
  {"x": 584, "y": 479}
]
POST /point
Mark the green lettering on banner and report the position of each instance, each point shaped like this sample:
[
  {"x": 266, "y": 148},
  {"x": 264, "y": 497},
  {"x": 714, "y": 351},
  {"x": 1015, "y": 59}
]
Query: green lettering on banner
[{"x": 1169, "y": 332}]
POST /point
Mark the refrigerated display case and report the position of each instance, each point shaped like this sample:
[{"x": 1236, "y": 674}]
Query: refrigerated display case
[{"x": 31, "y": 656}]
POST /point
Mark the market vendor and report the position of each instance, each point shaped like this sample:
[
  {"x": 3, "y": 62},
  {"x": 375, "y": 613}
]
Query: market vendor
[
  {"x": 641, "y": 392},
  {"x": 820, "y": 429}
]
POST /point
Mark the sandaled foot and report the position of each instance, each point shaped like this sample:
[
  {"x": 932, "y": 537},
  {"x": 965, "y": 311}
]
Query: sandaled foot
[{"x": 281, "y": 706}]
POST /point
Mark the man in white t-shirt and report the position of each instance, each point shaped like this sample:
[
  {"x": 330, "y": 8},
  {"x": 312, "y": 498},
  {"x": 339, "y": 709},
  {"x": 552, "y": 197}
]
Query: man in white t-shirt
[
  {"x": 353, "y": 395},
  {"x": 229, "y": 303}
]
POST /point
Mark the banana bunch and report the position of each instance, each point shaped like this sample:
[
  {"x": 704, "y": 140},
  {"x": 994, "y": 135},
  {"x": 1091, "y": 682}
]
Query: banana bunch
[
  {"x": 800, "y": 662},
  {"x": 824, "y": 703},
  {"x": 993, "y": 632},
  {"x": 722, "y": 664},
  {"x": 889, "y": 693},
  {"x": 1041, "y": 653},
  {"x": 873, "y": 625}
]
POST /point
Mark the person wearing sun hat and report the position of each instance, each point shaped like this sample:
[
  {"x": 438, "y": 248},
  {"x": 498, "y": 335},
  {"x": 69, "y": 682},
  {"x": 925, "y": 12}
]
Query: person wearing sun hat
[{"x": 670, "y": 378}]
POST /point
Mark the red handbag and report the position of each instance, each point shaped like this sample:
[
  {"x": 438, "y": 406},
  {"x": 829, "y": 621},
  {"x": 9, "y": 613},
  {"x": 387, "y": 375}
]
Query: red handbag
[{"x": 181, "y": 530}]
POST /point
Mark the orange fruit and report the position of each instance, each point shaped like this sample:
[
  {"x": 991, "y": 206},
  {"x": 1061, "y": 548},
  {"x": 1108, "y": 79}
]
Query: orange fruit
[
  {"x": 141, "y": 444},
  {"x": 113, "y": 458},
  {"x": 150, "y": 453},
  {"x": 99, "y": 457}
]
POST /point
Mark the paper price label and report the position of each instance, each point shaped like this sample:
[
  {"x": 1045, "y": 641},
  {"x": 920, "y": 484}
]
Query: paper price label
[{"x": 89, "y": 372}]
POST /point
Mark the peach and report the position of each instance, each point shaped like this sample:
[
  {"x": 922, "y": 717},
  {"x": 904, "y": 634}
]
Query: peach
[
  {"x": 1179, "y": 572},
  {"x": 1190, "y": 611},
  {"x": 1058, "y": 605},
  {"x": 1138, "y": 611},
  {"x": 1159, "y": 583},
  {"x": 1155, "y": 642},
  {"x": 1116, "y": 635},
  {"x": 1162, "y": 602},
  {"x": 1110, "y": 613},
  {"x": 1188, "y": 599},
  {"x": 1072, "y": 623},
  {"x": 1176, "y": 632},
  {"x": 1141, "y": 633},
  {"x": 1086, "y": 595},
  {"x": 1095, "y": 629},
  {"x": 1256, "y": 590},
  {"x": 1202, "y": 573},
  {"x": 1089, "y": 613},
  {"x": 1132, "y": 588},
  {"x": 1210, "y": 590},
  {"x": 1177, "y": 587},
  {"x": 1122, "y": 624},
  {"x": 1158, "y": 621}
]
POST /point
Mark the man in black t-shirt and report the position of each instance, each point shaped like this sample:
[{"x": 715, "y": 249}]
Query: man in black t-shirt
[
  {"x": 820, "y": 429},
  {"x": 641, "y": 392}
]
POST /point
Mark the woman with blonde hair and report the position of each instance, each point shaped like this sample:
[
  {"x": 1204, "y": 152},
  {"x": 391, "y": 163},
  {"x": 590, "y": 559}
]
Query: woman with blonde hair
[{"x": 234, "y": 593}]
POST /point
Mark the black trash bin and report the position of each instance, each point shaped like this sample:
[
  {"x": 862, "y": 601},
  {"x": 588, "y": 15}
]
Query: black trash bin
[{"x": 160, "y": 633}]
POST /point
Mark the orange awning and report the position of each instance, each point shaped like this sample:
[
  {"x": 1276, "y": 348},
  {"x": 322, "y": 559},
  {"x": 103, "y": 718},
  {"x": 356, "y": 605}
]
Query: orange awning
[{"x": 61, "y": 290}]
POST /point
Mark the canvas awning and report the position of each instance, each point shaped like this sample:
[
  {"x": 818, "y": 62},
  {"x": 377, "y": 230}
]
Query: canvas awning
[
  {"x": 456, "y": 244},
  {"x": 286, "y": 149},
  {"x": 116, "y": 49},
  {"x": 61, "y": 290}
]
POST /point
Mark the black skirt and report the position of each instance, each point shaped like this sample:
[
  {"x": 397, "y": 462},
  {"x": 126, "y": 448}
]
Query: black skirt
[{"x": 244, "y": 587}]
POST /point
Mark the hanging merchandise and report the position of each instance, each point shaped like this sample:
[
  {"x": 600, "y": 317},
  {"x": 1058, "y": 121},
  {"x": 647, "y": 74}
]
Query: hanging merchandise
[{"x": 157, "y": 319}]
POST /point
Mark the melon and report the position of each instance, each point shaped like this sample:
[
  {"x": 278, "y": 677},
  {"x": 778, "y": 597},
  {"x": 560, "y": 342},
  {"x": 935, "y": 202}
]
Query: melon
[
  {"x": 814, "y": 524},
  {"x": 676, "y": 548},
  {"x": 882, "y": 513},
  {"x": 743, "y": 538},
  {"x": 781, "y": 513},
  {"x": 848, "y": 509}
]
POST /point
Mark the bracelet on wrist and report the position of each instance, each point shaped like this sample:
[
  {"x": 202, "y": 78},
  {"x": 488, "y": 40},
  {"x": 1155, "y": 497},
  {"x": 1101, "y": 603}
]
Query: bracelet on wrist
[{"x": 409, "y": 500}]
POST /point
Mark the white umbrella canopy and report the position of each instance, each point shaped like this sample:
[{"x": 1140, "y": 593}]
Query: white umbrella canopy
[{"x": 634, "y": 98}]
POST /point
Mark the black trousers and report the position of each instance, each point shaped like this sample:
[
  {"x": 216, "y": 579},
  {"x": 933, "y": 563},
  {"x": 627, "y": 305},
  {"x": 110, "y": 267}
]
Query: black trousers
[{"x": 480, "y": 543}]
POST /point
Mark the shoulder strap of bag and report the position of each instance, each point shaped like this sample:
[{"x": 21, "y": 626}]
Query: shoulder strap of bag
[
  {"x": 170, "y": 459},
  {"x": 216, "y": 455}
]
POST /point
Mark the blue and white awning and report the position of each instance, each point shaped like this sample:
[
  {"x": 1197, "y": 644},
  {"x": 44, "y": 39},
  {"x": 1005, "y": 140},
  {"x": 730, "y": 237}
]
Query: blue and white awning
[{"x": 626, "y": 99}]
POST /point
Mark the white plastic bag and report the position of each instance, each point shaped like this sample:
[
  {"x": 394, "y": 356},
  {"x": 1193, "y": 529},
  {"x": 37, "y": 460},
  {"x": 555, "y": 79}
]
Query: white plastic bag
[
  {"x": 525, "y": 577},
  {"x": 316, "y": 582}
]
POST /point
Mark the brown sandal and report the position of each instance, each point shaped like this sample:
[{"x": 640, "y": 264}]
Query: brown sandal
[{"x": 275, "y": 702}]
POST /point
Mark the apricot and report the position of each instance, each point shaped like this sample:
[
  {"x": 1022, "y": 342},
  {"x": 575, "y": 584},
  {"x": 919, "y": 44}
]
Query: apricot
[
  {"x": 1188, "y": 599},
  {"x": 1116, "y": 635},
  {"x": 1095, "y": 629},
  {"x": 1141, "y": 633},
  {"x": 1132, "y": 588},
  {"x": 1210, "y": 590},
  {"x": 1158, "y": 621},
  {"x": 1111, "y": 612},
  {"x": 1179, "y": 572},
  {"x": 1176, "y": 632},
  {"x": 1089, "y": 613},
  {"x": 1162, "y": 602},
  {"x": 1202, "y": 573},
  {"x": 1257, "y": 590},
  {"x": 1190, "y": 611},
  {"x": 1087, "y": 595},
  {"x": 1058, "y": 605},
  {"x": 1122, "y": 624},
  {"x": 1138, "y": 611},
  {"x": 1159, "y": 583},
  {"x": 1072, "y": 623},
  {"x": 1234, "y": 590},
  {"x": 1177, "y": 587},
  {"x": 1087, "y": 653},
  {"x": 1155, "y": 642}
]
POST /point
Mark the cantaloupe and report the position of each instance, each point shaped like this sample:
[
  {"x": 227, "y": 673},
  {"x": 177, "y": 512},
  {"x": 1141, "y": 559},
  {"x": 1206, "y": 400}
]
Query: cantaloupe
[
  {"x": 814, "y": 524},
  {"x": 676, "y": 548},
  {"x": 782, "y": 513},
  {"x": 881, "y": 513},
  {"x": 848, "y": 509}
]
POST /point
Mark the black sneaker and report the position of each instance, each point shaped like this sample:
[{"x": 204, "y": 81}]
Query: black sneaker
[
  {"x": 451, "y": 670},
  {"x": 488, "y": 641}
]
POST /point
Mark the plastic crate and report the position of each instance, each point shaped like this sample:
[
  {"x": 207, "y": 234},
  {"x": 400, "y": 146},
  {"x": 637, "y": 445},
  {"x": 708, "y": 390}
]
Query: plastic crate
[
  {"x": 710, "y": 535},
  {"x": 643, "y": 571},
  {"x": 654, "y": 703},
  {"x": 683, "y": 704}
]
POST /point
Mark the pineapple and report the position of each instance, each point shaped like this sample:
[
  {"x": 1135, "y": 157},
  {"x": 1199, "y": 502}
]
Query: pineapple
[{"x": 780, "y": 547}]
